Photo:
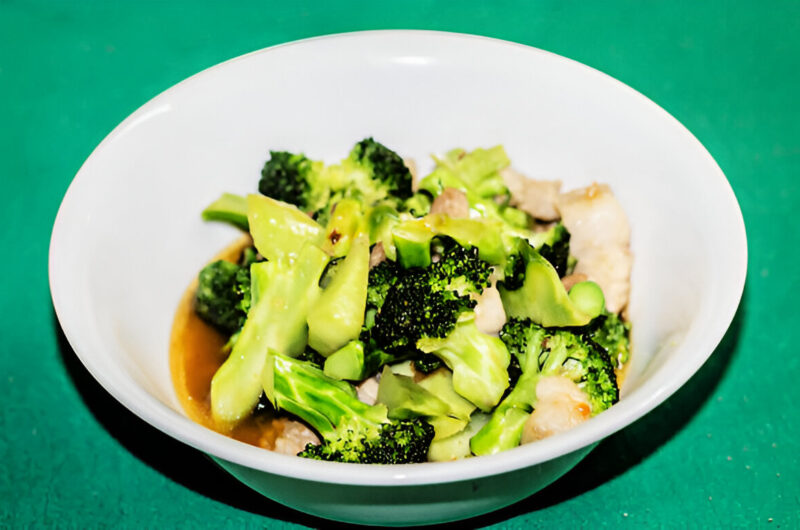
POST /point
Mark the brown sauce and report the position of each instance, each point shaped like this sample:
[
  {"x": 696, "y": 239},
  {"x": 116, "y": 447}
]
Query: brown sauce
[{"x": 195, "y": 354}]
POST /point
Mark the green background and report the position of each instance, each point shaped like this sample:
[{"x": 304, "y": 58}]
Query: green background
[{"x": 722, "y": 452}]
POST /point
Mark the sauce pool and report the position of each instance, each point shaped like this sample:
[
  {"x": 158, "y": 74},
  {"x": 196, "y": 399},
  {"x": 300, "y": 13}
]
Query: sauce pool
[{"x": 195, "y": 354}]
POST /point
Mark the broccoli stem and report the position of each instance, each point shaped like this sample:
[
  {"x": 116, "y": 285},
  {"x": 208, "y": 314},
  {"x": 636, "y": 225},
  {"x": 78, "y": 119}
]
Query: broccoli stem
[
  {"x": 479, "y": 362},
  {"x": 276, "y": 321},
  {"x": 229, "y": 208}
]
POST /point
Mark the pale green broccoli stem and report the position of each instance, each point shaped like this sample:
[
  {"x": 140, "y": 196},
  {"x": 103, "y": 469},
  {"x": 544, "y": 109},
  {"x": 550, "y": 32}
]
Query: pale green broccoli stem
[
  {"x": 479, "y": 362},
  {"x": 506, "y": 423},
  {"x": 413, "y": 238},
  {"x": 229, "y": 208},
  {"x": 337, "y": 316},
  {"x": 323, "y": 402},
  {"x": 276, "y": 321},
  {"x": 280, "y": 230},
  {"x": 543, "y": 298}
]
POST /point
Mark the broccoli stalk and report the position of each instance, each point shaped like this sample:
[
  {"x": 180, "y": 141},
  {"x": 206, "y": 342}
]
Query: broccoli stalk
[
  {"x": 337, "y": 316},
  {"x": 413, "y": 238},
  {"x": 351, "y": 430},
  {"x": 532, "y": 289},
  {"x": 283, "y": 293},
  {"x": 545, "y": 352},
  {"x": 229, "y": 208},
  {"x": 479, "y": 362},
  {"x": 279, "y": 230}
]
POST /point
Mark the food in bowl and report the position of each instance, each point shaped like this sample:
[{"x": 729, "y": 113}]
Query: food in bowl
[{"x": 372, "y": 317}]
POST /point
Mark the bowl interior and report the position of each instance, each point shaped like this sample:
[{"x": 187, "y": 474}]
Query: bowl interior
[{"x": 129, "y": 238}]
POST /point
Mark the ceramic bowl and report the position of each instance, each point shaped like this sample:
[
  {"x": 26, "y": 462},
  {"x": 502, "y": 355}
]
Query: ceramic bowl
[{"x": 128, "y": 237}]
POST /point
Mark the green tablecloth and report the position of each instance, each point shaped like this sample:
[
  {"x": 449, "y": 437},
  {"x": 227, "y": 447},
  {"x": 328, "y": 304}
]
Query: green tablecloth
[{"x": 722, "y": 452}]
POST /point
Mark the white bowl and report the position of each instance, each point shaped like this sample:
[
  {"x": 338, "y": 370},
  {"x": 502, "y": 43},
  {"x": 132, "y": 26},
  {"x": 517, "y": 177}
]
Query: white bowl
[{"x": 128, "y": 237}]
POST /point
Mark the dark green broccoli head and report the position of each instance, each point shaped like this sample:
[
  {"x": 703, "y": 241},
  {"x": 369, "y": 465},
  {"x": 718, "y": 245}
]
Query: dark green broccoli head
[
  {"x": 417, "y": 307},
  {"x": 398, "y": 442},
  {"x": 381, "y": 279},
  {"x": 613, "y": 334},
  {"x": 312, "y": 356},
  {"x": 426, "y": 302},
  {"x": 460, "y": 269},
  {"x": 427, "y": 363},
  {"x": 556, "y": 248},
  {"x": 564, "y": 352},
  {"x": 223, "y": 295},
  {"x": 293, "y": 178},
  {"x": 386, "y": 167},
  {"x": 514, "y": 272}
]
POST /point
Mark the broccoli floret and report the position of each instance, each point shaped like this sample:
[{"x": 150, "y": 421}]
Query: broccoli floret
[
  {"x": 565, "y": 352},
  {"x": 295, "y": 179},
  {"x": 613, "y": 334},
  {"x": 477, "y": 174},
  {"x": 427, "y": 363},
  {"x": 404, "y": 305},
  {"x": 552, "y": 245},
  {"x": 426, "y": 302},
  {"x": 351, "y": 430},
  {"x": 381, "y": 279},
  {"x": 372, "y": 174},
  {"x": 223, "y": 295},
  {"x": 555, "y": 248},
  {"x": 385, "y": 166},
  {"x": 545, "y": 352}
]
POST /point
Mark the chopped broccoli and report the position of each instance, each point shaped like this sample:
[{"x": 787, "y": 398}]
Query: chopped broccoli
[
  {"x": 540, "y": 295},
  {"x": 386, "y": 168},
  {"x": 545, "y": 352},
  {"x": 223, "y": 295},
  {"x": 426, "y": 302},
  {"x": 553, "y": 245},
  {"x": 613, "y": 334},
  {"x": 295, "y": 179},
  {"x": 427, "y": 363},
  {"x": 229, "y": 208},
  {"x": 371, "y": 174},
  {"x": 477, "y": 174},
  {"x": 282, "y": 293},
  {"x": 351, "y": 430},
  {"x": 479, "y": 361},
  {"x": 310, "y": 356}
]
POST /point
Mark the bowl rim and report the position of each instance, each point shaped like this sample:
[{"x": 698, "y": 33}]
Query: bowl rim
[{"x": 180, "y": 427}]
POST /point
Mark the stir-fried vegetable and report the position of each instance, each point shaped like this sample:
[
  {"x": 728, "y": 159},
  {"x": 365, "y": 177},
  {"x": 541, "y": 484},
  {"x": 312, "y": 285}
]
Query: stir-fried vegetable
[{"x": 354, "y": 276}]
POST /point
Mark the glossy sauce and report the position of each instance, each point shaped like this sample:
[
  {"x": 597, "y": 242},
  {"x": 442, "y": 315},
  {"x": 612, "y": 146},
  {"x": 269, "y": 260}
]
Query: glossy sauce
[{"x": 195, "y": 355}]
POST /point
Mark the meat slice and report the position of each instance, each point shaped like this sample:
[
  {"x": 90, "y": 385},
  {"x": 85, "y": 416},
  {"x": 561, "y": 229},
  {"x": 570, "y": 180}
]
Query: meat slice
[
  {"x": 600, "y": 240},
  {"x": 537, "y": 197},
  {"x": 451, "y": 202},
  {"x": 560, "y": 406},
  {"x": 294, "y": 438}
]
